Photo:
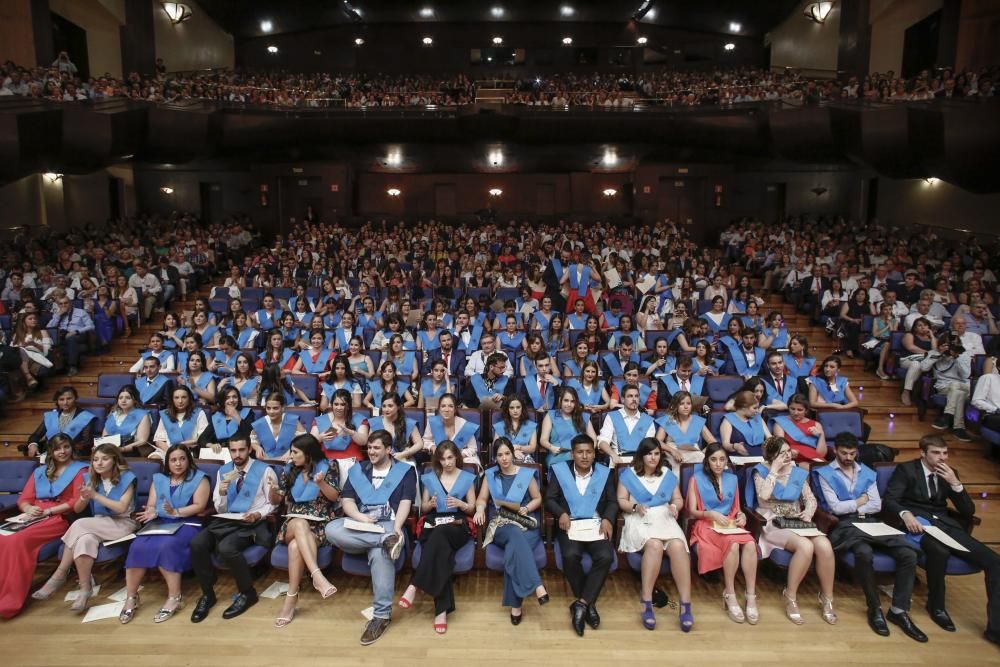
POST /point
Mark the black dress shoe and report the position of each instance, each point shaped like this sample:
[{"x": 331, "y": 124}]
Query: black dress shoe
[
  {"x": 876, "y": 621},
  {"x": 941, "y": 617},
  {"x": 577, "y": 613},
  {"x": 543, "y": 600},
  {"x": 205, "y": 602},
  {"x": 515, "y": 620},
  {"x": 660, "y": 598},
  {"x": 993, "y": 637},
  {"x": 239, "y": 605},
  {"x": 593, "y": 618},
  {"x": 906, "y": 624}
]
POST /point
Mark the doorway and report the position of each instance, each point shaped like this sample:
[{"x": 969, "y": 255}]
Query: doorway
[
  {"x": 71, "y": 38},
  {"x": 774, "y": 202}
]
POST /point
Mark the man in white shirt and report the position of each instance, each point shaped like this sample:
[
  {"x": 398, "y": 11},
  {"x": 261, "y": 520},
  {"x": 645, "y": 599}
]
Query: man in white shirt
[
  {"x": 624, "y": 428},
  {"x": 150, "y": 286},
  {"x": 971, "y": 341},
  {"x": 476, "y": 363}
]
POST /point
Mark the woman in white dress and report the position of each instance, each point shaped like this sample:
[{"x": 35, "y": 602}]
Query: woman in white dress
[{"x": 650, "y": 497}]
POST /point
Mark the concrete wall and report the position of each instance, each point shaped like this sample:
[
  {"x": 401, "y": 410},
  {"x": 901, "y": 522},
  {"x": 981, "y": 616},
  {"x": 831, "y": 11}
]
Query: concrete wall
[
  {"x": 915, "y": 201},
  {"x": 807, "y": 45},
  {"x": 198, "y": 43},
  {"x": 102, "y": 25},
  {"x": 889, "y": 21}
]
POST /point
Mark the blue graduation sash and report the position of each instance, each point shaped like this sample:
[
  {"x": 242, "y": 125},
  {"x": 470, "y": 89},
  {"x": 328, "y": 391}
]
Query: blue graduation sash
[
  {"x": 462, "y": 437},
  {"x": 523, "y": 436},
  {"x": 697, "y": 383},
  {"x": 614, "y": 364},
  {"x": 752, "y": 432},
  {"x": 230, "y": 361},
  {"x": 511, "y": 343},
  {"x": 797, "y": 434},
  {"x": 182, "y": 360},
  {"x": 226, "y": 428},
  {"x": 148, "y": 390},
  {"x": 628, "y": 441},
  {"x": 641, "y": 493},
  {"x": 591, "y": 397},
  {"x": 177, "y": 433},
  {"x": 716, "y": 328},
  {"x": 366, "y": 321},
  {"x": 823, "y": 388},
  {"x": 201, "y": 382},
  {"x": 691, "y": 436},
  {"x": 304, "y": 318},
  {"x": 789, "y": 390},
  {"x": 518, "y": 488},
  {"x": 474, "y": 335},
  {"x": 427, "y": 388},
  {"x": 740, "y": 361},
  {"x": 739, "y": 307},
  {"x": 180, "y": 496},
  {"x": 378, "y": 392},
  {"x": 318, "y": 366},
  {"x": 162, "y": 356},
  {"x": 343, "y": 440},
  {"x": 644, "y": 392},
  {"x": 170, "y": 342},
  {"x": 330, "y": 387},
  {"x": 405, "y": 367},
  {"x": 717, "y": 364},
  {"x": 787, "y": 492},
  {"x": 434, "y": 487},
  {"x": 427, "y": 343},
  {"x": 670, "y": 363},
  {"x": 128, "y": 426},
  {"x": 267, "y": 322},
  {"x": 781, "y": 340},
  {"x": 552, "y": 343},
  {"x": 332, "y": 321},
  {"x": 77, "y": 424},
  {"x": 376, "y": 423},
  {"x": 581, "y": 506},
  {"x": 542, "y": 319},
  {"x": 862, "y": 481},
  {"x": 709, "y": 498},
  {"x": 612, "y": 320},
  {"x": 634, "y": 335},
  {"x": 794, "y": 369},
  {"x": 359, "y": 477},
  {"x": 582, "y": 283},
  {"x": 482, "y": 391},
  {"x": 50, "y": 490},
  {"x": 275, "y": 447},
  {"x": 245, "y": 338},
  {"x": 304, "y": 491},
  {"x": 538, "y": 401},
  {"x": 291, "y": 335},
  {"x": 562, "y": 433},
  {"x": 577, "y": 322},
  {"x": 246, "y": 391},
  {"x": 241, "y": 502},
  {"x": 310, "y": 304},
  {"x": 126, "y": 480},
  {"x": 208, "y": 334},
  {"x": 557, "y": 267}
]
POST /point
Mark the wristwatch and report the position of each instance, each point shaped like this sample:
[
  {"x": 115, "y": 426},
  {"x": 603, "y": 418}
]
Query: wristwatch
[{"x": 635, "y": 506}]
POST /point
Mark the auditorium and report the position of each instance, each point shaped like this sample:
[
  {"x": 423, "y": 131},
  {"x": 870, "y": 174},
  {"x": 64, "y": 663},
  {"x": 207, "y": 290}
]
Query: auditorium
[{"x": 563, "y": 332}]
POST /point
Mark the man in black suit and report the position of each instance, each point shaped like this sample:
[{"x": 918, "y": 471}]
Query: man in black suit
[
  {"x": 454, "y": 359},
  {"x": 552, "y": 277},
  {"x": 811, "y": 290},
  {"x": 578, "y": 502},
  {"x": 918, "y": 493}
]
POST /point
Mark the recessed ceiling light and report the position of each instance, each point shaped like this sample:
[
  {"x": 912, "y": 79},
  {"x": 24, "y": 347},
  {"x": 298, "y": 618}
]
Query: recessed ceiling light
[
  {"x": 495, "y": 192},
  {"x": 498, "y": 40},
  {"x": 497, "y": 11},
  {"x": 272, "y": 49},
  {"x": 393, "y": 192},
  {"x": 358, "y": 41},
  {"x": 641, "y": 40},
  {"x": 566, "y": 10},
  {"x": 266, "y": 26},
  {"x": 428, "y": 41},
  {"x": 610, "y": 157},
  {"x": 735, "y": 26},
  {"x": 427, "y": 12},
  {"x": 651, "y": 14},
  {"x": 567, "y": 40},
  {"x": 729, "y": 46}
]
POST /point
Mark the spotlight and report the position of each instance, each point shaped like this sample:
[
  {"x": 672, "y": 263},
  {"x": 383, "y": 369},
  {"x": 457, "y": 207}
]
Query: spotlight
[
  {"x": 177, "y": 12},
  {"x": 167, "y": 190},
  {"x": 566, "y": 10},
  {"x": 358, "y": 41},
  {"x": 610, "y": 192},
  {"x": 428, "y": 41},
  {"x": 52, "y": 177},
  {"x": 427, "y": 12},
  {"x": 567, "y": 41},
  {"x": 266, "y": 26},
  {"x": 818, "y": 11},
  {"x": 393, "y": 192},
  {"x": 735, "y": 26},
  {"x": 495, "y": 192},
  {"x": 497, "y": 11},
  {"x": 610, "y": 157},
  {"x": 498, "y": 40},
  {"x": 272, "y": 49},
  {"x": 729, "y": 46},
  {"x": 641, "y": 40},
  {"x": 930, "y": 182}
]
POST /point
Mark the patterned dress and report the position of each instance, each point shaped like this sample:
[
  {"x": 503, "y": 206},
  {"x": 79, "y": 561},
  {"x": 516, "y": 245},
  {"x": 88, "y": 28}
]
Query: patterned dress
[{"x": 320, "y": 507}]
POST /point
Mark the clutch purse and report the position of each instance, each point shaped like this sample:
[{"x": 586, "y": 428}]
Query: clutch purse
[
  {"x": 788, "y": 522},
  {"x": 526, "y": 521}
]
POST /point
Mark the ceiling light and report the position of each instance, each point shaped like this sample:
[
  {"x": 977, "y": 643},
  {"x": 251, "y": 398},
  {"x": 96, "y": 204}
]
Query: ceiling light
[
  {"x": 735, "y": 26},
  {"x": 167, "y": 190},
  {"x": 177, "y": 12},
  {"x": 610, "y": 157},
  {"x": 498, "y": 40},
  {"x": 266, "y": 26},
  {"x": 495, "y": 192},
  {"x": 394, "y": 158},
  {"x": 930, "y": 182},
  {"x": 52, "y": 177},
  {"x": 818, "y": 11},
  {"x": 393, "y": 192},
  {"x": 566, "y": 10},
  {"x": 567, "y": 40},
  {"x": 428, "y": 41},
  {"x": 610, "y": 192},
  {"x": 641, "y": 40},
  {"x": 729, "y": 46},
  {"x": 358, "y": 41},
  {"x": 495, "y": 157},
  {"x": 272, "y": 49},
  {"x": 651, "y": 14},
  {"x": 427, "y": 12},
  {"x": 497, "y": 11}
]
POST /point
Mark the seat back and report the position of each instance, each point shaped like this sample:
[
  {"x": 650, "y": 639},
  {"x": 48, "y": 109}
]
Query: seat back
[
  {"x": 721, "y": 387},
  {"x": 14, "y": 474},
  {"x": 143, "y": 471},
  {"x": 715, "y": 420},
  {"x": 109, "y": 384},
  {"x": 883, "y": 471},
  {"x": 835, "y": 422},
  {"x": 307, "y": 383}
]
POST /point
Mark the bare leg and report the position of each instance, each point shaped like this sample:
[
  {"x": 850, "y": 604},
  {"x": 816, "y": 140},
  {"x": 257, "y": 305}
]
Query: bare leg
[
  {"x": 652, "y": 558},
  {"x": 133, "y": 578},
  {"x": 295, "y": 567},
  {"x": 749, "y": 562},
  {"x": 802, "y": 550},
  {"x": 730, "y": 564},
  {"x": 680, "y": 568},
  {"x": 306, "y": 543},
  {"x": 173, "y": 580},
  {"x": 825, "y": 564},
  {"x": 84, "y": 570},
  {"x": 57, "y": 579}
]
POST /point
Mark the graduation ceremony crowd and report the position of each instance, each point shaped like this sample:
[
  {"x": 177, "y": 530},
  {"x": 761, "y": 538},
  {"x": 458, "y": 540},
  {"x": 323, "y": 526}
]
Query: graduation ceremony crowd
[{"x": 411, "y": 393}]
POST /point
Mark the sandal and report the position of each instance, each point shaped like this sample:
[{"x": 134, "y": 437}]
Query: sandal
[
  {"x": 753, "y": 615},
  {"x": 127, "y": 615},
  {"x": 732, "y": 608},
  {"x": 648, "y": 617},
  {"x": 792, "y": 609},
  {"x": 80, "y": 604},
  {"x": 441, "y": 628},
  {"x": 826, "y": 604},
  {"x": 686, "y": 618},
  {"x": 325, "y": 592},
  {"x": 405, "y": 602},
  {"x": 54, "y": 583},
  {"x": 283, "y": 621},
  {"x": 166, "y": 614}
]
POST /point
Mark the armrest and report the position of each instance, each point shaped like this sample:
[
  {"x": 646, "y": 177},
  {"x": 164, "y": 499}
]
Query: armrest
[
  {"x": 755, "y": 522},
  {"x": 825, "y": 521}
]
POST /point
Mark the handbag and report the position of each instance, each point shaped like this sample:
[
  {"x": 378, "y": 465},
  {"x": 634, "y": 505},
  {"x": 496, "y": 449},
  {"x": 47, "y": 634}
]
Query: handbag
[
  {"x": 526, "y": 521},
  {"x": 784, "y": 522}
]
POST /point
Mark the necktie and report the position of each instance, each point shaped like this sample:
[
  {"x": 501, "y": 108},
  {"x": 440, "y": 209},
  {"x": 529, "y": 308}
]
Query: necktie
[
  {"x": 239, "y": 482},
  {"x": 684, "y": 385},
  {"x": 541, "y": 392},
  {"x": 932, "y": 485},
  {"x": 778, "y": 385},
  {"x": 445, "y": 358}
]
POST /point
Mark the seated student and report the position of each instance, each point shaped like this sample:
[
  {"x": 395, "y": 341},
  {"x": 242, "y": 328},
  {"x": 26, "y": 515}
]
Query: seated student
[
  {"x": 241, "y": 487},
  {"x": 454, "y": 359},
  {"x": 158, "y": 350},
  {"x": 50, "y": 494},
  {"x": 743, "y": 430},
  {"x": 341, "y": 377},
  {"x": 154, "y": 389},
  {"x": 190, "y": 343},
  {"x": 579, "y": 354},
  {"x": 829, "y": 389},
  {"x": 560, "y": 426},
  {"x": 539, "y": 388},
  {"x": 207, "y": 332},
  {"x": 271, "y": 436},
  {"x": 66, "y": 418},
  {"x": 109, "y": 491},
  {"x": 241, "y": 331},
  {"x": 447, "y": 425},
  {"x": 514, "y": 426},
  {"x": 659, "y": 362},
  {"x": 717, "y": 318},
  {"x": 129, "y": 422},
  {"x": 577, "y": 320},
  {"x": 534, "y": 351},
  {"x": 268, "y": 316},
  {"x": 611, "y": 317},
  {"x": 179, "y": 494},
  {"x": 406, "y": 440},
  {"x": 798, "y": 363},
  {"x": 516, "y": 504},
  {"x": 650, "y": 497},
  {"x": 315, "y": 360},
  {"x": 380, "y": 491},
  {"x": 918, "y": 493},
  {"x": 274, "y": 380},
  {"x": 704, "y": 361},
  {"x": 746, "y": 359},
  {"x": 850, "y": 492},
  {"x": 197, "y": 379},
  {"x": 246, "y": 379},
  {"x": 682, "y": 378},
  {"x": 581, "y": 490},
  {"x": 626, "y": 330},
  {"x": 427, "y": 337},
  {"x": 804, "y": 435},
  {"x": 448, "y": 493},
  {"x": 582, "y": 279},
  {"x": 223, "y": 361},
  {"x": 625, "y": 427},
  {"x": 406, "y": 361},
  {"x": 782, "y": 490},
  {"x": 275, "y": 352},
  {"x": 434, "y": 386},
  {"x": 682, "y": 433},
  {"x": 486, "y": 391},
  {"x": 341, "y": 431},
  {"x": 291, "y": 333},
  {"x": 774, "y": 335},
  {"x": 510, "y": 338},
  {"x": 230, "y": 420},
  {"x": 182, "y": 423},
  {"x": 779, "y": 385},
  {"x": 647, "y": 394},
  {"x": 614, "y": 363},
  {"x": 713, "y": 501},
  {"x": 591, "y": 391}
]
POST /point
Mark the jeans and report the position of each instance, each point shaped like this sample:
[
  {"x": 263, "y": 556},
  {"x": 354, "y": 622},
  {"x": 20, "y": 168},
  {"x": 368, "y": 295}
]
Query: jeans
[{"x": 383, "y": 570}]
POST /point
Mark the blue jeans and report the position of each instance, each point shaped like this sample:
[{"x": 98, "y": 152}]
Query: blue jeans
[{"x": 383, "y": 570}]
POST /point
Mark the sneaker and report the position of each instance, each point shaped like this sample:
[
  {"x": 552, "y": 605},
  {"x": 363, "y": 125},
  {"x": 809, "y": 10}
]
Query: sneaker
[
  {"x": 943, "y": 423},
  {"x": 961, "y": 434},
  {"x": 374, "y": 630},
  {"x": 392, "y": 545}
]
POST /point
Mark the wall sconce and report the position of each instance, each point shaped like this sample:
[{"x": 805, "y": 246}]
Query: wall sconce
[
  {"x": 393, "y": 192},
  {"x": 930, "y": 182},
  {"x": 610, "y": 192},
  {"x": 177, "y": 12},
  {"x": 818, "y": 11},
  {"x": 52, "y": 177},
  {"x": 495, "y": 192},
  {"x": 167, "y": 190}
]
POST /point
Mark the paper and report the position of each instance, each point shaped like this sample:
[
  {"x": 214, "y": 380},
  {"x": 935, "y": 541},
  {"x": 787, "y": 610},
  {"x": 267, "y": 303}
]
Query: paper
[
  {"x": 20, "y": 518},
  {"x": 614, "y": 280},
  {"x": 130, "y": 536},
  {"x": 307, "y": 517},
  {"x": 368, "y": 613},
  {"x": 73, "y": 595},
  {"x": 627, "y": 460},
  {"x": 274, "y": 590},
  {"x": 877, "y": 529},
  {"x": 585, "y": 530},
  {"x": 376, "y": 412},
  {"x": 115, "y": 440},
  {"x": 231, "y": 516},
  {"x": 746, "y": 460},
  {"x": 808, "y": 532},
  {"x": 646, "y": 284},
  {"x": 121, "y": 594},
  {"x": 209, "y": 454},
  {"x": 944, "y": 538},
  {"x": 692, "y": 456},
  {"x": 731, "y": 529},
  {"x": 351, "y": 524},
  {"x": 104, "y": 611}
]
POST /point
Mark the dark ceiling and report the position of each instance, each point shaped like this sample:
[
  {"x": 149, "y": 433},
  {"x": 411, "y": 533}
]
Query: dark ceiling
[{"x": 242, "y": 18}]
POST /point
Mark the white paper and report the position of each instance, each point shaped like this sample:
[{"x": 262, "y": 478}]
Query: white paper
[
  {"x": 115, "y": 440},
  {"x": 20, "y": 518},
  {"x": 877, "y": 529},
  {"x": 585, "y": 530},
  {"x": 808, "y": 532},
  {"x": 376, "y": 412},
  {"x": 209, "y": 454},
  {"x": 746, "y": 460},
  {"x": 307, "y": 517},
  {"x": 691, "y": 456},
  {"x": 231, "y": 516},
  {"x": 944, "y": 538},
  {"x": 121, "y": 594},
  {"x": 351, "y": 524},
  {"x": 728, "y": 530},
  {"x": 73, "y": 595},
  {"x": 614, "y": 280},
  {"x": 368, "y": 613},
  {"x": 104, "y": 611},
  {"x": 276, "y": 589},
  {"x": 627, "y": 460},
  {"x": 127, "y": 538},
  {"x": 646, "y": 284}
]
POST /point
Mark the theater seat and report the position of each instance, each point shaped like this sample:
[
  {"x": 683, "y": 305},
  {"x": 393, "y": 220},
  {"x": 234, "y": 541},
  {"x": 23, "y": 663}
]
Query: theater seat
[
  {"x": 279, "y": 556},
  {"x": 586, "y": 560},
  {"x": 13, "y": 476},
  {"x": 465, "y": 557},
  {"x": 254, "y": 555},
  {"x": 494, "y": 557}
]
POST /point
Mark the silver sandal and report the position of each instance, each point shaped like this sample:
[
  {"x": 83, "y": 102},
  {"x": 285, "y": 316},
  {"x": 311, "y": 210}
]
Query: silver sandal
[
  {"x": 166, "y": 614},
  {"x": 127, "y": 615}
]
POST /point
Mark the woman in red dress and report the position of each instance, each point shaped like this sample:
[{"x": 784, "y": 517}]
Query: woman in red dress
[
  {"x": 803, "y": 435},
  {"x": 48, "y": 496}
]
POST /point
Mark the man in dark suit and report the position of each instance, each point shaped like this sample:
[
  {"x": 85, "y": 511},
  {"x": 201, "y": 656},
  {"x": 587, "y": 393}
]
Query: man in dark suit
[
  {"x": 454, "y": 359},
  {"x": 811, "y": 290},
  {"x": 569, "y": 497},
  {"x": 488, "y": 390},
  {"x": 918, "y": 493},
  {"x": 170, "y": 279},
  {"x": 553, "y": 274}
]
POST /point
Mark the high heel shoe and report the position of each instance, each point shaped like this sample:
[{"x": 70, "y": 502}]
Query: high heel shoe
[
  {"x": 753, "y": 615},
  {"x": 543, "y": 599},
  {"x": 792, "y": 609},
  {"x": 283, "y": 621},
  {"x": 686, "y": 618},
  {"x": 127, "y": 615},
  {"x": 732, "y": 608},
  {"x": 648, "y": 617},
  {"x": 326, "y": 592},
  {"x": 826, "y": 604},
  {"x": 54, "y": 583},
  {"x": 80, "y": 604},
  {"x": 166, "y": 614},
  {"x": 516, "y": 620}
]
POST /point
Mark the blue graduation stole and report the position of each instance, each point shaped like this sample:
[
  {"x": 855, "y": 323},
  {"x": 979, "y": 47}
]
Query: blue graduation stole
[
  {"x": 304, "y": 318},
  {"x": 789, "y": 389},
  {"x": 697, "y": 383},
  {"x": 286, "y": 354},
  {"x": 561, "y": 435},
  {"x": 523, "y": 436},
  {"x": 634, "y": 335},
  {"x": 644, "y": 392},
  {"x": 170, "y": 342},
  {"x": 77, "y": 424},
  {"x": 245, "y": 338},
  {"x": 518, "y": 488},
  {"x": 781, "y": 340},
  {"x": 752, "y": 432},
  {"x": 182, "y": 360},
  {"x": 310, "y": 304},
  {"x": 246, "y": 391},
  {"x": 177, "y": 433},
  {"x": 275, "y": 447},
  {"x": 691, "y": 436},
  {"x": 376, "y": 423},
  {"x": 755, "y": 323},
  {"x": 796, "y": 371},
  {"x": 611, "y": 360},
  {"x": 628, "y": 441},
  {"x": 577, "y": 322},
  {"x": 612, "y": 320},
  {"x": 161, "y": 356},
  {"x": 717, "y": 364},
  {"x": 462, "y": 437},
  {"x": 709, "y": 498},
  {"x": 180, "y": 496},
  {"x": 641, "y": 493},
  {"x": 542, "y": 319},
  {"x": 511, "y": 343},
  {"x": 50, "y": 490},
  {"x": 582, "y": 506},
  {"x": 721, "y": 326},
  {"x": 343, "y": 440},
  {"x": 126, "y": 480},
  {"x": 366, "y": 321},
  {"x": 538, "y": 401},
  {"x": 797, "y": 434},
  {"x": 427, "y": 388},
  {"x": 378, "y": 392},
  {"x": 330, "y": 387},
  {"x": 267, "y": 322},
  {"x": 427, "y": 343},
  {"x": 474, "y": 335},
  {"x": 552, "y": 343},
  {"x": 838, "y": 395},
  {"x": 557, "y": 267},
  {"x": 290, "y": 335},
  {"x": 739, "y": 306},
  {"x": 332, "y": 321},
  {"x": 209, "y": 333},
  {"x": 664, "y": 370},
  {"x": 226, "y": 428},
  {"x": 201, "y": 382},
  {"x": 591, "y": 397},
  {"x": 405, "y": 367},
  {"x": 581, "y": 281},
  {"x": 360, "y": 479},
  {"x": 787, "y": 492},
  {"x": 434, "y": 488},
  {"x": 148, "y": 390},
  {"x": 862, "y": 481},
  {"x": 322, "y": 360},
  {"x": 241, "y": 502},
  {"x": 482, "y": 391},
  {"x": 230, "y": 360},
  {"x": 740, "y": 361},
  {"x": 304, "y": 491},
  {"x": 128, "y": 426}
]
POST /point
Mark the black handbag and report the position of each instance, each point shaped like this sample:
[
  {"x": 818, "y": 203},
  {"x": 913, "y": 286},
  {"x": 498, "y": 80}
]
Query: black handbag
[{"x": 526, "y": 521}]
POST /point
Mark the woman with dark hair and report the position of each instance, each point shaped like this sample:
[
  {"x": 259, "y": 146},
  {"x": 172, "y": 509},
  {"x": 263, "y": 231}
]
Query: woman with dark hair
[
  {"x": 704, "y": 361},
  {"x": 743, "y": 430},
  {"x": 341, "y": 377},
  {"x": 852, "y": 315},
  {"x": 774, "y": 334},
  {"x": 273, "y": 380},
  {"x": 589, "y": 389},
  {"x": 244, "y": 378},
  {"x": 241, "y": 331},
  {"x": 182, "y": 423},
  {"x": 129, "y": 422},
  {"x": 230, "y": 420},
  {"x": 66, "y": 418},
  {"x": 311, "y": 486},
  {"x": 804, "y": 435},
  {"x": 682, "y": 433},
  {"x": 515, "y": 426},
  {"x": 717, "y": 318},
  {"x": 275, "y": 352},
  {"x": 433, "y": 387},
  {"x": 560, "y": 426},
  {"x": 446, "y": 425},
  {"x": 650, "y": 498},
  {"x": 404, "y": 360},
  {"x": 448, "y": 494},
  {"x": 197, "y": 379},
  {"x": 406, "y": 440},
  {"x": 797, "y": 360},
  {"x": 341, "y": 431},
  {"x": 830, "y": 389}
]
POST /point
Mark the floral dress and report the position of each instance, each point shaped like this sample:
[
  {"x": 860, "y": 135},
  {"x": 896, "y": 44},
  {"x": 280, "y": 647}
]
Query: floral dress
[{"x": 319, "y": 507}]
